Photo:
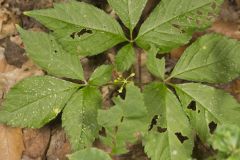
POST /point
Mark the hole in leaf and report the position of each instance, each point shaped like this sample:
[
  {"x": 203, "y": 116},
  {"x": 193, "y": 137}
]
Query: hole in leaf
[
  {"x": 199, "y": 111},
  {"x": 192, "y": 106},
  {"x": 84, "y": 31},
  {"x": 81, "y": 33},
  {"x": 178, "y": 27},
  {"x": 55, "y": 51},
  {"x": 180, "y": 137},
  {"x": 122, "y": 119},
  {"x": 212, "y": 127},
  {"x": 160, "y": 56},
  {"x": 153, "y": 123},
  {"x": 161, "y": 130},
  {"x": 73, "y": 35},
  {"x": 103, "y": 132}
]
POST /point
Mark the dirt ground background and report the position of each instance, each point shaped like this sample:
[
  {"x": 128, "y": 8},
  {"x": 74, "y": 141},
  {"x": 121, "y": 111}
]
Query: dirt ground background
[{"x": 50, "y": 142}]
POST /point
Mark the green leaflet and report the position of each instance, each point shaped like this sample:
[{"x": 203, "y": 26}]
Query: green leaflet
[
  {"x": 155, "y": 66},
  {"x": 163, "y": 140},
  {"x": 213, "y": 58},
  {"x": 80, "y": 117},
  {"x": 226, "y": 140},
  {"x": 130, "y": 117},
  {"x": 129, "y": 11},
  {"x": 172, "y": 22},
  {"x": 45, "y": 51},
  {"x": 218, "y": 104},
  {"x": 198, "y": 116},
  {"x": 89, "y": 154},
  {"x": 154, "y": 99},
  {"x": 101, "y": 75},
  {"x": 81, "y": 28},
  {"x": 125, "y": 58},
  {"x": 35, "y": 101},
  {"x": 110, "y": 118}
]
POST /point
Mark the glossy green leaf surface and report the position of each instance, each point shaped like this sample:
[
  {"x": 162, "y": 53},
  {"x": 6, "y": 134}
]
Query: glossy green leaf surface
[
  {"x": 217, "y": 104},
  {"x": 129, "y": 116},
  {"x": 35, "y": 101},
  {"x": 101, "y": 75},
  {"x": 172, "y": 22},
  {"x": 80, "y": 117},
  {"x": 155, "y": 66},
  {"x": 47, "y": 53},
  {"x": 213, "y": 58},
  {"x": 171, "y": 136},
  {"x": 129, "y": 11},
  {"x": 80, "y": 27},
  {"x": 125, "y": 58},
  {"x": 198, "y": 116}
]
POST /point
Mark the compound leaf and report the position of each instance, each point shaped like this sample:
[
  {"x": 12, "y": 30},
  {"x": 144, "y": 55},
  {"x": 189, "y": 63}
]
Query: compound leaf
[
  {"x": 213, "y": 58},
  {"x": 80, "y": 117},
  {"x": 45, "y": 51},
  {"x": 125, "y": 58},
  {"x": 129, "y": 11},
  {"x": 89, "y": 154},
  {"x": 155, "y": 66},
  {"x": 35, "y": 101},
  {"x": 170, "y": 137},
  {"x": 81, "y": 28},
  {"x": 130, "y": 117},
  {"x": 172, "y": 22},
  {"x": 218, "y": 105},
  {"x": 101, "y": 75}
]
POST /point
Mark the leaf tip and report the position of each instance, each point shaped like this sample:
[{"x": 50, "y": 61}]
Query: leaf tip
[
  {"x": 17, "y": 26},
  {"x": 26, "y": 13}
]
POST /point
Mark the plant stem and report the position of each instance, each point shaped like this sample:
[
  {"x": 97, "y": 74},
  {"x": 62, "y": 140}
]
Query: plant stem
[
  {"x": 167, "y": 79},
  {"x": 139, "y": 69},
  {"x": 131, "y": 35}
]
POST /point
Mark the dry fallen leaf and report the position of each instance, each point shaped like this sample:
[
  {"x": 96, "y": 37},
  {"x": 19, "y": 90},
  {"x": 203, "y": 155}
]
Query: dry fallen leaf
[
  {"x": 11, "y": 143},
  {"x": 36, "y": 142},
  {"x": 7, "y": 23},
  {"x": 59, "y": 145},
  {"x": 229, "y": 29}
]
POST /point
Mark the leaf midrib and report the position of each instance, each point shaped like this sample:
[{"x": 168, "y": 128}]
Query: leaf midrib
[
  {"x": 82, "y": 132},
  {"x": 199, "y": 67},
  {"x": 24, "y": 106},
  {"x": 129, "y": 17},
  {"x": 96, "y": 29},
  {"x": 192, "y": 69},
  {"x": 199, "y": 103},
  {"x": 73, "y": 70}
]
